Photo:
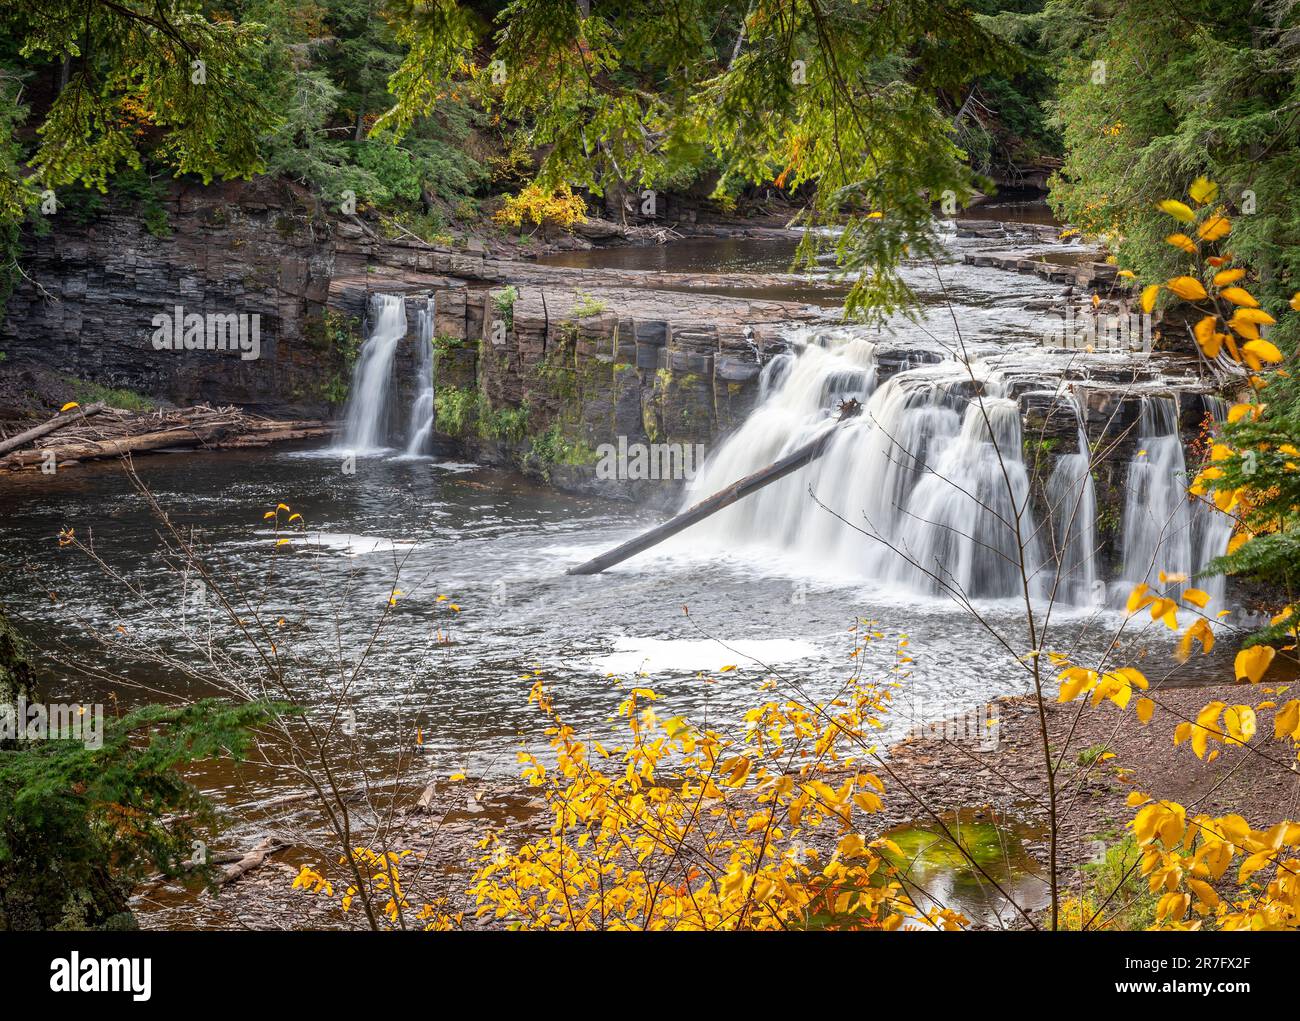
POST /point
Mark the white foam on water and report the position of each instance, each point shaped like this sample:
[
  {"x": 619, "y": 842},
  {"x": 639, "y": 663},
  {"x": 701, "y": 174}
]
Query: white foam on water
[{"x": 678, "y": 655}]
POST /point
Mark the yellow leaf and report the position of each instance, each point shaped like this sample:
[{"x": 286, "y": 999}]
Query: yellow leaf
[
  {"x": 1286, "y": 721},
  {"x": 1127, "y": 274},
  {"x": 1228, "y": 276},
  {"x": 1295, "y": 301},
  {"x": 1254, "y": 662},
  {"x": 69, "y": 406},
  {"x": 1253, "y": 315},
  {"x": 1178, "y": 210},
  {"x": 1149, "y": 295},
  {"x": 1138, "y": 598},
  {"x": 1197, "y": 597},
  {"x": 1187, "y": 288},
  {"x": 1145, "y": 708},
  {"x": 1206, "y": 337},
  {"x": 1182, "y": 241},
  {"x": 1240, "y": 721},
  {"x": 1203, "y": 190},
  {"x": 1238, "y": 296},
  {"x": 1261, "y": 351},
  {"x": 1204, "y": 892},
  {"x": 1217, "y": 226}
]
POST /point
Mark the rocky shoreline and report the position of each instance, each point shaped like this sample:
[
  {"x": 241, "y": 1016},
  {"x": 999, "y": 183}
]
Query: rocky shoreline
[{"x": 1104, "y": 754}]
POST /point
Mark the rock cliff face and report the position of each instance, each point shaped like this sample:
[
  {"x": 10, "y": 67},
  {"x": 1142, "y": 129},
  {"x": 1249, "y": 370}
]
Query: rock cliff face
[
  {"x": 536, "y": 366},
  {"x": 245, "y": 249},
  {"x": 523, "y": 350}
]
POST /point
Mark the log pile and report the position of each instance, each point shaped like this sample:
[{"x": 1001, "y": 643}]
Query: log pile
[{"x": 100, "y": 432}]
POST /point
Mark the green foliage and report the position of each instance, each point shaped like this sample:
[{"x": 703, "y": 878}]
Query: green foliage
[
  {"x": 504, "y": 302},
  {"x": 87, "y": 392},
  {"x": 132, "y": 73},
  {"x": 551, "y": 447},
  {"x": 504, "y": 423},
  {"x": 1188, "y": 90},
  {"x": 586, "y": 306},
  {"x": 819, "y": 95},
  {"x": 457, "y": 410},
  {"x": 1119, "y": 896},
  {"x": 79, "y": 826}
]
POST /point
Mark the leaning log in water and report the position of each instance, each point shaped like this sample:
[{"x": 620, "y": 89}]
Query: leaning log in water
[{"x": 736, "y": 491}]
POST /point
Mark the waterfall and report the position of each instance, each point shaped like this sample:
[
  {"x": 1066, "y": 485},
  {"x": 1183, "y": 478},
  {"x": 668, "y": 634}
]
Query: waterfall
[
  {"x": 421, "y": 424},
  {"x": 365, "y": 417},
  {"x": 1163, "y": 530},
  {"x": 1211, "y": 528},
  {"x": 916, "y": 471},
  {"x": 1072, "y": 503}
]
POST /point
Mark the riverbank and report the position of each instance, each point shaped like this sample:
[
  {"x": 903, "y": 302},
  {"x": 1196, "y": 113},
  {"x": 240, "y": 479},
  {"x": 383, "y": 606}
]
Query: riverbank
[
  {"x": 1104, "y": 754},
  {"x": 97, "y": 431}
]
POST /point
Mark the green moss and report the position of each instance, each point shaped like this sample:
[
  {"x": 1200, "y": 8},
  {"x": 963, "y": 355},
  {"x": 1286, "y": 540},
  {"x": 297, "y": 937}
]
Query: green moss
[
  {"x": 93, "y": 393},
  {"x": 338, "y": 337},
  {"x": 587, "y": 306},
  {"x": 551, "y": 447},
  {"x": 504, "y": 424},
  {"x": 457, "y": 410}
]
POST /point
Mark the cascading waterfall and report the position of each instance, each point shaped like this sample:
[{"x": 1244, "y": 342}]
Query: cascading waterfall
[
  {"x": 1162, "y": 529},
  {"x": 1072, "y": 502},
  {"x": 917, "y": 470},
  {"x": 366, "y": 414},
  {"x": 420, "y": 428},
  {"x": 1211, "y": 528}
]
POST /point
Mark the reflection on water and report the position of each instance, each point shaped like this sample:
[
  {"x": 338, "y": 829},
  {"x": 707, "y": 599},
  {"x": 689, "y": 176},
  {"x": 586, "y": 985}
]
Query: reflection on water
[{"x": 965, "y": 876}]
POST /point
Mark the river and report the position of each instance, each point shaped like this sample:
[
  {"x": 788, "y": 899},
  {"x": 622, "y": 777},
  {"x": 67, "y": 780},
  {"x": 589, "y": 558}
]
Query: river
[{"x": 496, "y": 545}]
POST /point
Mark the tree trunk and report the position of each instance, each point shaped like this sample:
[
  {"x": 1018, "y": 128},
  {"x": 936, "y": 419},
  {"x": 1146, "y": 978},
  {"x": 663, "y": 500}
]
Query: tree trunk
[
  {"x": 57, "y": 422},
  {"x": 737, "y": 490}
]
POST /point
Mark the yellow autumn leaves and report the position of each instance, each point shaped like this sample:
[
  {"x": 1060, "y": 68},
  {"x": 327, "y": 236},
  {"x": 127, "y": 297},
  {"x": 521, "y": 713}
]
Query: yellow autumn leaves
[
  {"x": 682, "y": 827},
  {"x": 1184, "y": 860},
  {"x": 1233, "y": 322}
]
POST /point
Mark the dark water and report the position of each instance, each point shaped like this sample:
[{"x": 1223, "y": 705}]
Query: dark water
[
  {"x": 492, "y": 543},
  {"x": 496, "y": 546}
]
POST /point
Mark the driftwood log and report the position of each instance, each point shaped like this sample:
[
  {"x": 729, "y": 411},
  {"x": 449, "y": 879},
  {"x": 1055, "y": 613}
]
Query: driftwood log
[
  {"x": 116, "y": 433},
  {"x": 737, "y": 490},
  {"x": 60, "y": 421},
  {"x": 253, "y": 858}
]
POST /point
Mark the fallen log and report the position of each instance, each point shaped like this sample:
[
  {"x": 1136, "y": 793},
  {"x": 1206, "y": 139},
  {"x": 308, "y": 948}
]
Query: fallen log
[
  {"x": 87, "y": 450},
  {"x": 425, "y": 803},
  {"x": 254, "y": 858},
  {"x": 59, "y": 421},
  {"x": 737, "y": 490}
]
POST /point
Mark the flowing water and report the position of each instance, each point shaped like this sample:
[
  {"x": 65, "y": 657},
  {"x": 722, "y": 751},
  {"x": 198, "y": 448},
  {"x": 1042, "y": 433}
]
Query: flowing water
[
  {"x": 772, "y": 586},
  {"x": 366, "y": 415},
  {"x": 420, "y": 428}
]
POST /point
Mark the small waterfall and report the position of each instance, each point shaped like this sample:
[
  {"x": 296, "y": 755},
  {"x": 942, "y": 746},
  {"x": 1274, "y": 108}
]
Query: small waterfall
[
  {"x": 1163, "y": 530},
  {"x": 420, "y": 428},
  {"x": 366, "y": 414},
  {"x": 917, "y": 470},
  {"x": 1211, "y": 528},
  {"x": 1072, "y": 503}
]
